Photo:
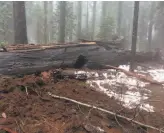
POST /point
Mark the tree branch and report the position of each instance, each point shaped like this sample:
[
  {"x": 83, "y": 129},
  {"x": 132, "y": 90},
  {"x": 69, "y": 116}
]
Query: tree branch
[{"x": 105, "y": 111}]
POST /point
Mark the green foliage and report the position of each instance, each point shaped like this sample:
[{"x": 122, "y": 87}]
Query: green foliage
[{"x": 3, "y": 43}]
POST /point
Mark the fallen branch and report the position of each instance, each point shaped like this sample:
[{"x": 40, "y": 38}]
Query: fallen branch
[
  {"x": 141, "y": 77},
  {"x": 105, "y": 111}
]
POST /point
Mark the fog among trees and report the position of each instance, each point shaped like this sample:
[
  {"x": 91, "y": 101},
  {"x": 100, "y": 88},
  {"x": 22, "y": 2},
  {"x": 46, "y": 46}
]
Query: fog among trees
[{"x": 58, "y": 21}]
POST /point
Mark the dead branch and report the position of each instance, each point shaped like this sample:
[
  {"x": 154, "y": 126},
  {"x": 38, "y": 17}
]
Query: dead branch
[
  {"x": 105, "y": 111},
  {"x": 140, "y": 77}
]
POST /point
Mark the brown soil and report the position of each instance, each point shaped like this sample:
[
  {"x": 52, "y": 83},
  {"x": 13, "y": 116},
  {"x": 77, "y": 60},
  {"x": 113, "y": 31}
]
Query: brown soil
[{"x": 35, "y": 111}]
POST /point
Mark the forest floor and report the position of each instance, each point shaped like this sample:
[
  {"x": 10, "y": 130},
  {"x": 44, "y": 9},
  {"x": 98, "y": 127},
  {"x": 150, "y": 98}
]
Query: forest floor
[{"x": 26, "y": 107}]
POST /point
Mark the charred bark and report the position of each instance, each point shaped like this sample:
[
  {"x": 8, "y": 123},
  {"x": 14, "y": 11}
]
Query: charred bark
[{"x": 95, "y": 57}]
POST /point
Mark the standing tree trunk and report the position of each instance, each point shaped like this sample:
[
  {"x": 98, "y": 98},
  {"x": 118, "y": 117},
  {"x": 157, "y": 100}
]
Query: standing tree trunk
[
  {"x": 150, "y": 27},
  {"x": 45, "y": 22},
  {"x": 103, "y": 18},
  {"x": 134, "y": 34},
  {"x": 51, "y": 21},
  {"x": 70, "y": 35},
  {"x": 38, "y": 32},
  {"x": 93, "y": 19},
  {"x": 20, "y": 28},
  {"x": 102, "y": 13},
  {"x": 87, "y": 15},
  {"x": 119, "y": 18},
  {"x": 62, "y": 21},
  {"x": 142, "y": 30},
  {"x": 79, "y": 15}
]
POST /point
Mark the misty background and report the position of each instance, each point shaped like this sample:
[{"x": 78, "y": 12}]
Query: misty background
[{"x": 86, "y": 20}]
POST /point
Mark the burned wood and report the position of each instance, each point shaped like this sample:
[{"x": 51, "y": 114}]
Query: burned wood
[
  {"x": 14, "y": 63},
  {"x": 80, "y": 62}
]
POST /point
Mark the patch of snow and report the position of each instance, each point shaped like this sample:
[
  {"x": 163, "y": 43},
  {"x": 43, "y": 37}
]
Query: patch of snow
[
  {"x": 135, "y": 92},
  {"x": 157, "y": 74},
  {"x": 105, "y": 75},
  {"x": 100, "y": 129},
  {"x": 128, "y": 81},
  {"x": 80, "y": 72},
  {"x": 125, "y": 67},
  {"x": 130, "y": 98},
  {"x": 147, "y": 107}
]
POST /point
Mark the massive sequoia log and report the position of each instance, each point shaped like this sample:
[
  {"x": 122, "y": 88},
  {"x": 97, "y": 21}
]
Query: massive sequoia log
[{"x": 27, "y": 62}]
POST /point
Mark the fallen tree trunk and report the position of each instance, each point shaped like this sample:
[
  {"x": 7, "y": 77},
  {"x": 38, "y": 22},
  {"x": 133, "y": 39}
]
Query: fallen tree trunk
[
  {"x": 30, "y": 47},
  {"x": 81, "y": 43},
  {"x": 13, "y": 63}
]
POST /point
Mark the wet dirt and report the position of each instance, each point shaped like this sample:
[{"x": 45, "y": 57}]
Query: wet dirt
[{"x": 29, "y": 108}]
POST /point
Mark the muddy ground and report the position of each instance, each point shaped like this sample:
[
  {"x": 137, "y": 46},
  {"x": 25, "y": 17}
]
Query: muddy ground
[{"x": 29, "y": 108}]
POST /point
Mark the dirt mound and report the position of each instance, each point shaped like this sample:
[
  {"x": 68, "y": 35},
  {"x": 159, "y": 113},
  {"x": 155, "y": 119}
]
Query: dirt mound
[{"x": 29, "y": 108}]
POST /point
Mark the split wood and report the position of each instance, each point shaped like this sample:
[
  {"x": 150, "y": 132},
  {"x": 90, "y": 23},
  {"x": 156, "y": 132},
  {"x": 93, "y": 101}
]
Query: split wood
[{"x": 105, "y": 111}]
